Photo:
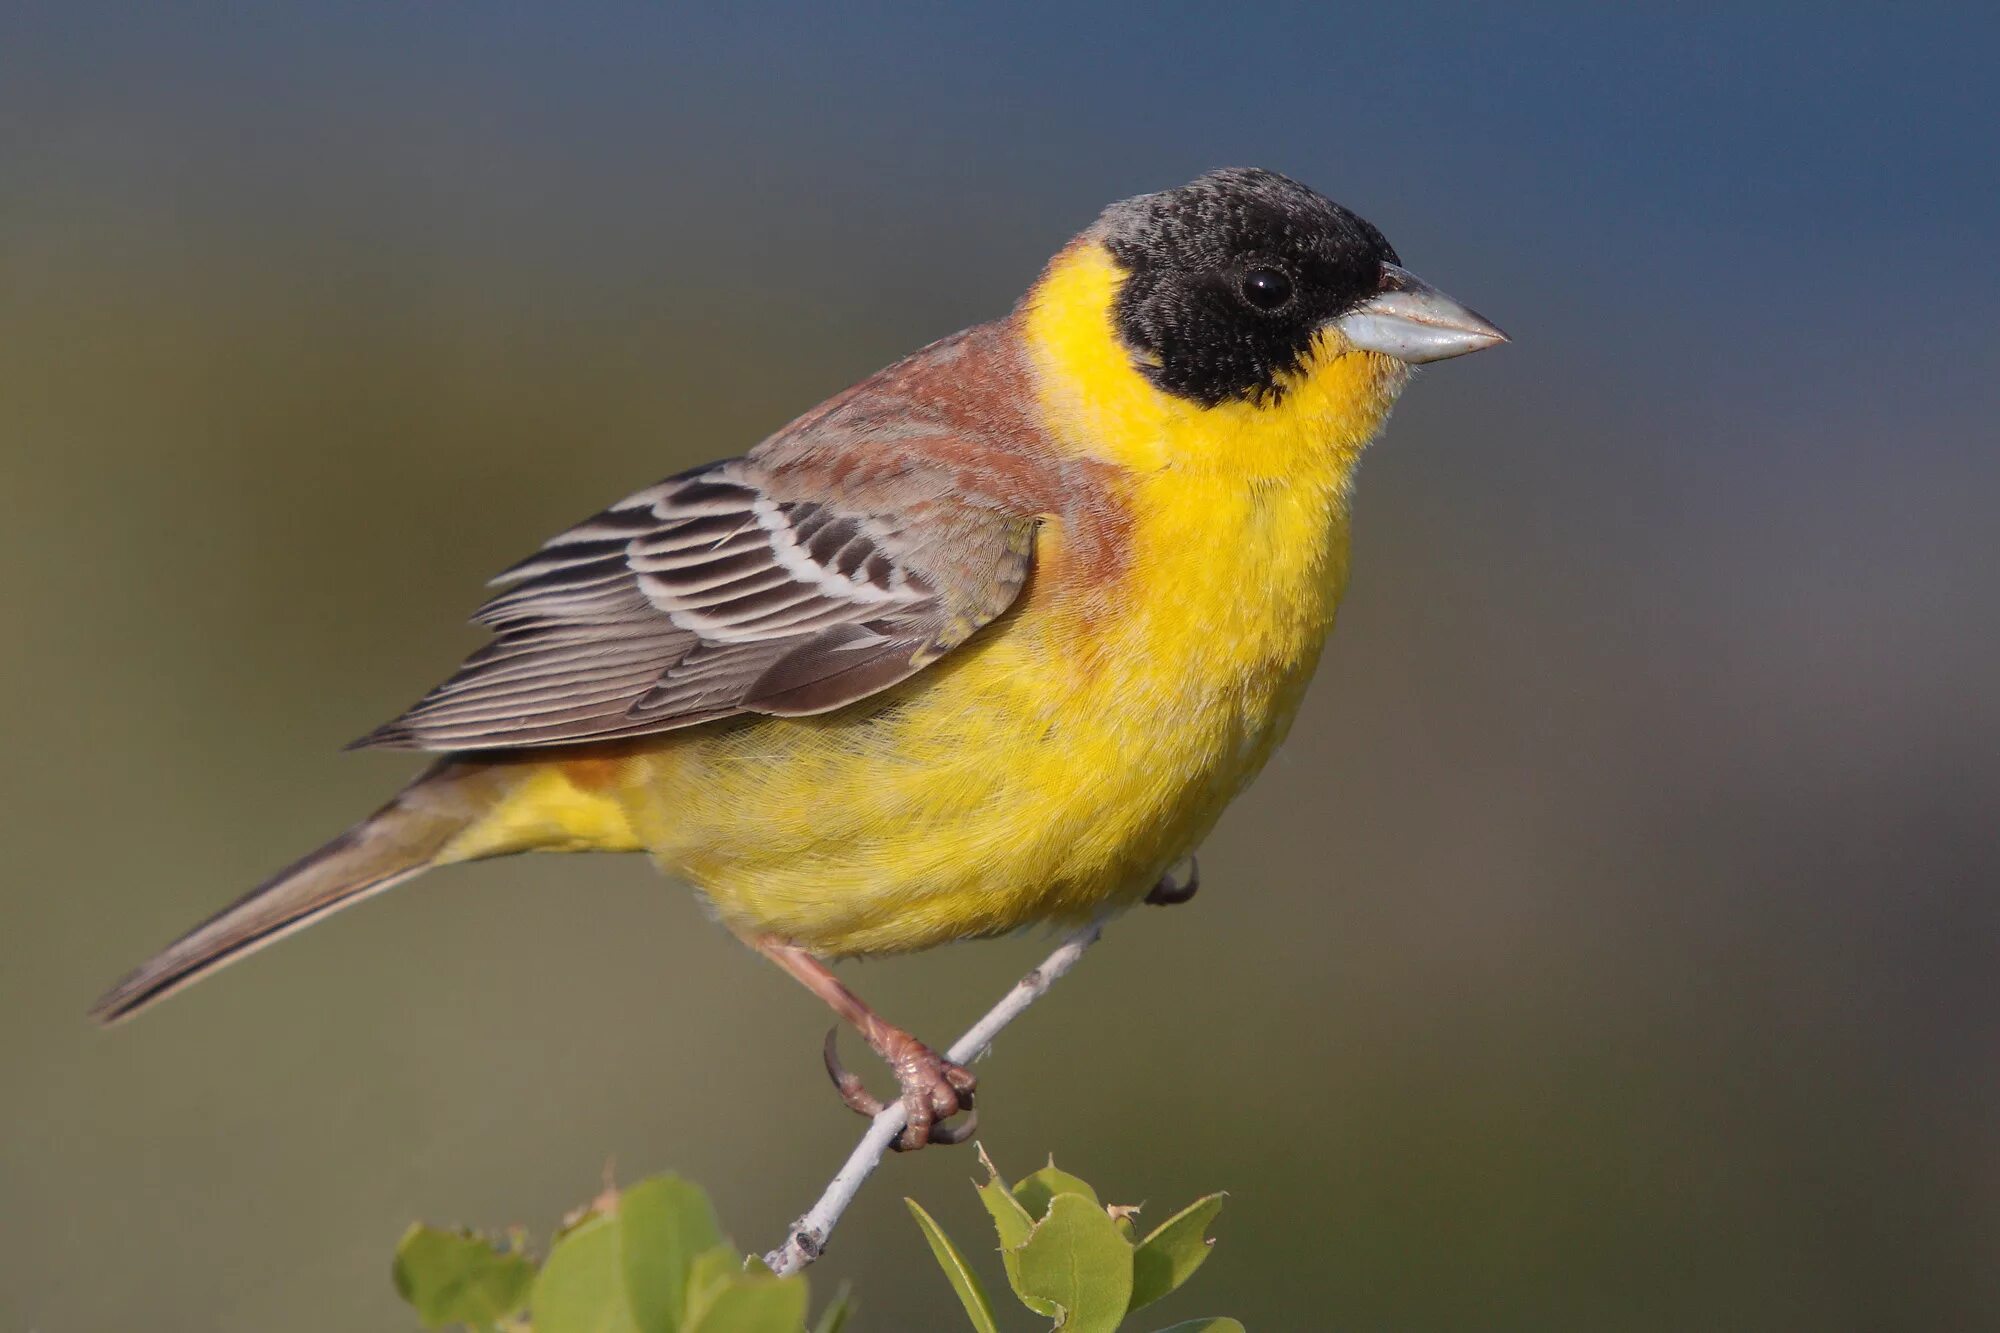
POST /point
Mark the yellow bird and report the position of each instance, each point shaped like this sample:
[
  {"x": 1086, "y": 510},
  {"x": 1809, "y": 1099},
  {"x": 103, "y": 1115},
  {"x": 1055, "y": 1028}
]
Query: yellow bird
[{"x": 989, "y": 639}]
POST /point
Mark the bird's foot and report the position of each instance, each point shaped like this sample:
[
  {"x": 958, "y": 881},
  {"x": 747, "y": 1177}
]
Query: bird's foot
[
  {"x": 1181, "y": 882},
  {"x": 934, "y": 1089}
]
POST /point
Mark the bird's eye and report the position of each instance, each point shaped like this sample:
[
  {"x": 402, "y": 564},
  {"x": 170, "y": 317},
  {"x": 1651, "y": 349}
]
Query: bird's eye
[{"x": 1267, "y": 289}]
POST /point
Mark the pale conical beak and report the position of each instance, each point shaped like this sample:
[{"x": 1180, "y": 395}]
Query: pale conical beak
[{"x": 1415, "y": 322}]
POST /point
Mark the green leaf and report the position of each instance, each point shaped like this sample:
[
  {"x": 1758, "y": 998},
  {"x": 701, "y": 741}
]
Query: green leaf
[
  {"x": 1077, "y": 1261},
  {"x": 581, "y": 1288},
  {"x": 664, "y": 1223},
  {"x": 834, "y": 1318},
  {"x": 710, "y": 1273},
  {"x": 1010, "y": 1220},
  {"x": 457, "y": 1277},
  {"x": 753, "y": 1303},
  {"x": 1013, "y": 1225},
  {"x": 1176, "y": 1247},
  {"x": 1035, "y": 1192},
  {"x": 1206, "y": 1326},
  {"x": 963, "y": 1280}
]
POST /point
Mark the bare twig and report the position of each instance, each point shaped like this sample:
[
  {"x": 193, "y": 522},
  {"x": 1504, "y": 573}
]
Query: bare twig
[{"x": 808, "y": 1236}]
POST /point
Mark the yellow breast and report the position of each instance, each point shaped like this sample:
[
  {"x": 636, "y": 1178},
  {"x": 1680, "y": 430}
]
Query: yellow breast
[{"x": 1078, "y": 746}]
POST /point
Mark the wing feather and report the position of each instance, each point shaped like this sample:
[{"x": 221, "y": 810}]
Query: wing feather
[{"x": 721, "y": 591}]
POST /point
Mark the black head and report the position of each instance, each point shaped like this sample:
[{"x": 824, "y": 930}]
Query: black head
[{"x": 1230, "y": 277}]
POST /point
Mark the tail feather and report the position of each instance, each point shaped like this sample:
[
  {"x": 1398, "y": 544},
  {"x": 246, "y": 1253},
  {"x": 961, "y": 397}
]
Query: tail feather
[{"x": 404, "y": 838}]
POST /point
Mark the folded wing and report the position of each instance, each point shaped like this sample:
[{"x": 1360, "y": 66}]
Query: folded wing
[{"x": 734, "y": 588}]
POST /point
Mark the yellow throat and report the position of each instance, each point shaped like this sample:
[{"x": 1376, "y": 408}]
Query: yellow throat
[{"x": 1310, "y": 437}]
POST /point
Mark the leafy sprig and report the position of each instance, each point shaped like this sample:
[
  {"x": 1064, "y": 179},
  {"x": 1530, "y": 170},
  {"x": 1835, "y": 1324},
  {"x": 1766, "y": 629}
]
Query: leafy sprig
[
  {"x": 652, "y": 1258},
  {"x": 648, "y": 1259},
  {"x": 1074, "y": 1260}
]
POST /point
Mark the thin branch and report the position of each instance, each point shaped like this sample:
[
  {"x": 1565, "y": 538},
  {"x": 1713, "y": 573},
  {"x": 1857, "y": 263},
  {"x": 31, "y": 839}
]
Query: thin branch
[{"x": 808, "y": 1236}]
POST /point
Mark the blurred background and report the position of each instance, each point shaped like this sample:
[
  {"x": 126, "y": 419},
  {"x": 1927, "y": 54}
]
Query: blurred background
[{"x": 1613, "y": 946}]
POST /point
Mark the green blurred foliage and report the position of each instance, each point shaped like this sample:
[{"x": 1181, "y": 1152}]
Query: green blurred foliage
[
  {"x": 461, "y": 1277},
  {"x": 648, "y": 1259},
  {"x": 651, "y": 1258}
]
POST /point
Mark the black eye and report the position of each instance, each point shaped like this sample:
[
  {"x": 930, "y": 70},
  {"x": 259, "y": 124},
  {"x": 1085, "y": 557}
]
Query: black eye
[{"x": 1267, "y": 289}]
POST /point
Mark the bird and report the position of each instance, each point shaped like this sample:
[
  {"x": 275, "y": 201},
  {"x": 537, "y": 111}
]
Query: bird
[{"x": 984, "y": 642}]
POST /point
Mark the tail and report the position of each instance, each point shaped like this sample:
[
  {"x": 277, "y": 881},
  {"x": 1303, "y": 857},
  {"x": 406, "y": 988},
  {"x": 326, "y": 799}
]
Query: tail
[{"x": 426, "y": 825}]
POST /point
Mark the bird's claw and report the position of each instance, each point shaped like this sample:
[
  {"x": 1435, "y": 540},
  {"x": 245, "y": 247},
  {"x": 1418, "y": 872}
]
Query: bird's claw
[
  {"x": 1181, "y": 882},
  {"x": 934, "y": 1090},
  {"x": 847, "y": 1083}
]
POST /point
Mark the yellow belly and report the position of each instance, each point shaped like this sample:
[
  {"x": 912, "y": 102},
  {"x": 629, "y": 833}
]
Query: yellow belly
[{"x": 1059, "y": 762}]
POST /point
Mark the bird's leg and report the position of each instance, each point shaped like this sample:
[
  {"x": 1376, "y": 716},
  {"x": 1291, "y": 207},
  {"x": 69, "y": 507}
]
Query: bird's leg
[
  {"x": 1180, "y": 883},
  {"x": 934, "y": 1089}
]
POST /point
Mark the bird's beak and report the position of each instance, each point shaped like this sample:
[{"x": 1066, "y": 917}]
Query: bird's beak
[{"x": 1415, "y": 322}]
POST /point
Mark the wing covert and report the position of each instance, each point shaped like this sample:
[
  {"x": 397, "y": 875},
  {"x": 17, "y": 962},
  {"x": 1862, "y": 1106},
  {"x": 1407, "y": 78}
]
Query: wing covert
[{"x": 720, "y": 591}]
